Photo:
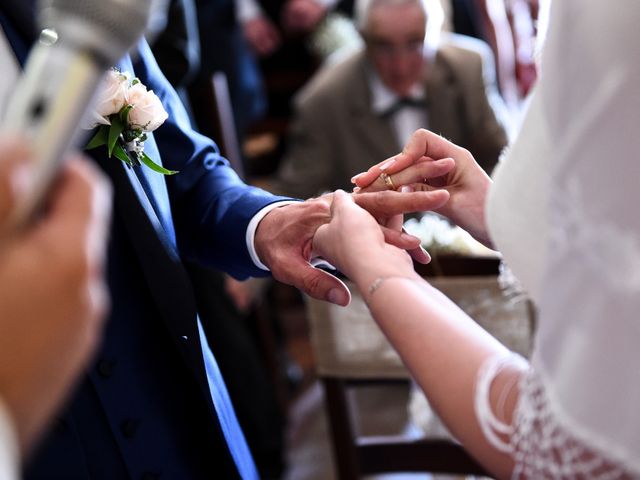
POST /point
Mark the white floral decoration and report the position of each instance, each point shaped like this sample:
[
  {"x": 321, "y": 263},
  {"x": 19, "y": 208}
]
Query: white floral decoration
[{"x": 124, "y": 113}]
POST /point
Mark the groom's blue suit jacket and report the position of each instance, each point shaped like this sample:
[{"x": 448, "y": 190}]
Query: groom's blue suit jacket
[{"x": 150, "y": 406}]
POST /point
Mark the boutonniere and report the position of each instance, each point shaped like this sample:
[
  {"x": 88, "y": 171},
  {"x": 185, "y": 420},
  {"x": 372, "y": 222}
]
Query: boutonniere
[{"x": 125, "y": 113}]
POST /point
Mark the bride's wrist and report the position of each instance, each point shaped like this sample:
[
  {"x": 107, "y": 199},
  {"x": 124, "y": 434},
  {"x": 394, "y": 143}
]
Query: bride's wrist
[{"x": 368, "y": 279}]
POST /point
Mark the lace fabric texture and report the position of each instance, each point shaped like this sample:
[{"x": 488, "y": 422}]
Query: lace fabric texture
[{"x": 539, "y": 445}]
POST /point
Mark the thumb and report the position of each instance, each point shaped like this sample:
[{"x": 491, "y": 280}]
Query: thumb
[
  {"x": 15, "y": 168},
  {"x": 318, "y": 283}
]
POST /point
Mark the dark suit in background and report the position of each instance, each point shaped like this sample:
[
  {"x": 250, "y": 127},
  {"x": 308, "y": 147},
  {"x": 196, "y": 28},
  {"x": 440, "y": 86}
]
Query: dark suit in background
[{"x": 224, "y": 49}]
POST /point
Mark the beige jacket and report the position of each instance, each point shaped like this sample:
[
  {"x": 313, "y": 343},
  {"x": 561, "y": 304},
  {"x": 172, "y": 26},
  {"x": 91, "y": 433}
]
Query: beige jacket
[{"x": 335, "y": 134}]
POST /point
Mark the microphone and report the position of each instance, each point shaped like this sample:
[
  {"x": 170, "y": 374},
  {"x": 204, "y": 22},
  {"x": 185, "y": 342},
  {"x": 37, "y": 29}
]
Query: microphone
[{"x": 80, "y": 40}]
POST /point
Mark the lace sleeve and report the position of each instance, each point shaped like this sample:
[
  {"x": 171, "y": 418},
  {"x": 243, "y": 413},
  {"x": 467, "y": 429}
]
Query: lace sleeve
[{"x": 536, "y": 440}]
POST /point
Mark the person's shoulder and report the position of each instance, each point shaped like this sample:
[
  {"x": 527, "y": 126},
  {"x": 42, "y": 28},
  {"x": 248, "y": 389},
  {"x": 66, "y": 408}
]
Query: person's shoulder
[
  {"x": 462, "y": 51},
  {"x": 334, "y": 80}
]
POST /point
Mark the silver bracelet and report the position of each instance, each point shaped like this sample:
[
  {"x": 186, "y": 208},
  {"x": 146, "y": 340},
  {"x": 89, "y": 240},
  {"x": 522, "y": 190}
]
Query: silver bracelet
[{"x": 377, "y": 283}]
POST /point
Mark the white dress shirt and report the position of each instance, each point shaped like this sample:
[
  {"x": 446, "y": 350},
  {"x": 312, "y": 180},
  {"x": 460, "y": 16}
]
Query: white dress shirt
[{"x": 405, "y": 120}]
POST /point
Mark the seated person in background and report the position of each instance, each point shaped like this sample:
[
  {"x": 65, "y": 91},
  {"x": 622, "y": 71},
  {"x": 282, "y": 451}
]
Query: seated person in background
[
  {"x": 408, "y": 76},
  {"x": 52, "y": 297}
]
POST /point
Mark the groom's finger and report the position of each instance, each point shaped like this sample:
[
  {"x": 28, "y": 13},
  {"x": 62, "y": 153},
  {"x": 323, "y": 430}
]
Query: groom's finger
[{"x": 313, "y": 281}]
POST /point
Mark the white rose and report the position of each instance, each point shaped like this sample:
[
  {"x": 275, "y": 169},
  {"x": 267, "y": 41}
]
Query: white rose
[
  {"x": 113, "y": 94},
  {"x": 147, "y": 112}
]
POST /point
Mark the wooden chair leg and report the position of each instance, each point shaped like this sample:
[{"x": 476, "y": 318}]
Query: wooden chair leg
[{"x": 341, "y": 429}]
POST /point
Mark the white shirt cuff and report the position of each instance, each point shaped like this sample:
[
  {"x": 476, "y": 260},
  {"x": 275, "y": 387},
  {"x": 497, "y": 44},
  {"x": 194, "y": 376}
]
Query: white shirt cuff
[
  {"x": 328, "y": 3},
  {"x": 315, "y": 261},
  {"x": 9, "y": 451},
  {"x": 253, "y": 226}
]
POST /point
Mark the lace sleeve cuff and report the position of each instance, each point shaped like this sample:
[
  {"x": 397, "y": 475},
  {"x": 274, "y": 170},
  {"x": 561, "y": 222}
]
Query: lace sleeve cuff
[{"x": 539, "y": 445}]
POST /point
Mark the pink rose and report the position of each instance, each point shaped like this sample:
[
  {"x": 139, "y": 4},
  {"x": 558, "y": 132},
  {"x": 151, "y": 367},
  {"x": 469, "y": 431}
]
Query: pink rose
[
  {"x": 147, "y": 113},
  {"x": 112, "y": 96}
]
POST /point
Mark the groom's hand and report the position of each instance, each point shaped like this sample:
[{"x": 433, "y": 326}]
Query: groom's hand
[{"x": 284, "y": 237}]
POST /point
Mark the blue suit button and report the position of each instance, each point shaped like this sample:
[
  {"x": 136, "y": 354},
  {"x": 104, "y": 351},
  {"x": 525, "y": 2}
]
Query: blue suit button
[{"x": 129, "y": 428}]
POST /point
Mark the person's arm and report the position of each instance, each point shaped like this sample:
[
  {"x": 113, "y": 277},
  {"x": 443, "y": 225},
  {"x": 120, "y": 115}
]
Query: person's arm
[
  {"x": 52, "y": 292},
  {"x": 521, "y": 20},
  {"x": 442, "y": 347},
  {"x": 305, "y": 15},
  {"x": 212, "y": 208},
  {"x": 500, "y": 38},
  {"x": 259, "y": 31}
]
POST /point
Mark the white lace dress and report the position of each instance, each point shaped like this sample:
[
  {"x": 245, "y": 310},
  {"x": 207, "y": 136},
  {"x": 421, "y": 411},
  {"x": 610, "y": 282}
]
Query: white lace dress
[{"x": 565, "y": 212}]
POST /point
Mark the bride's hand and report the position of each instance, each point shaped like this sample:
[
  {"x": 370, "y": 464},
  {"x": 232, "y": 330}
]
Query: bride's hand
[
  {"x": 354, "y": 243},
  {"x": 429, "y": 162}
]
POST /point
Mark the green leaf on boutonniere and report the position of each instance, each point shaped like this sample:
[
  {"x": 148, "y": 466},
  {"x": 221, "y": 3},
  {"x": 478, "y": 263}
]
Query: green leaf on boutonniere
[
  {"x": 117, "y": 127},
  {"x": 99, "y": 139},
  {"x": 144, "y": 158},
  {"x": 121, "y": 154},
  {"x": 124, "y": 114}
]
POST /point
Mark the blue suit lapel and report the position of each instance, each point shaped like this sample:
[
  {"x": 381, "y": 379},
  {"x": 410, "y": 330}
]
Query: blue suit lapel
[
  {"x": 15, "y": 38},
  {"x": 153, "y": 195}
]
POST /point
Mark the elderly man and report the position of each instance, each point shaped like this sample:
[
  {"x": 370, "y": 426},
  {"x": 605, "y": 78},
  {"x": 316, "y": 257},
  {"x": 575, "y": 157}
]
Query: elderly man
[{"x": 408, "y": 76}]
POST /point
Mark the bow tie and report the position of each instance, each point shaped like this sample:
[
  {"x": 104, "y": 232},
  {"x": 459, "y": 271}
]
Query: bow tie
[{"x": 404, "y": 102}]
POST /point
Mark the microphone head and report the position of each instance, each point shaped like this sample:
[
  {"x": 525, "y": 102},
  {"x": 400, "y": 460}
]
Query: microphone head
[{"x": 106, "y": 29}]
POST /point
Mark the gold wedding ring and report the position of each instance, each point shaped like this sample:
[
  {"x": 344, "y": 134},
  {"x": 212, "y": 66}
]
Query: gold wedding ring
[{"x": 386, "y": 178}]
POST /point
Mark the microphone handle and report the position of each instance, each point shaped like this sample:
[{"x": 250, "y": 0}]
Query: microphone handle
[{"x": 48, "y": 105}]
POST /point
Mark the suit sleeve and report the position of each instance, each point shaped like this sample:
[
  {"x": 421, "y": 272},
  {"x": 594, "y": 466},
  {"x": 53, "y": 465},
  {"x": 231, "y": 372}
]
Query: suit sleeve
[{"x": 211, "y": 206}]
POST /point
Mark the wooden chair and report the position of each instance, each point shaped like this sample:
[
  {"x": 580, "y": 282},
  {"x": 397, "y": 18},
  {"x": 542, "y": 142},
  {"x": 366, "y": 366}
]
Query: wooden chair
[{"x": 367, "y": 359}]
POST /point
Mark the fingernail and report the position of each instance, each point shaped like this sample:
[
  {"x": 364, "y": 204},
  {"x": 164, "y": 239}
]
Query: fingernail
[
  {"x": 387, "y": 164},
  {"x": 355, "y": 177},
  {"x": 336, "y": 296},
  {"x": 427, "y": 257},
  {"x": 356, "y": 189},
  {"x": 406, "y": 189}
]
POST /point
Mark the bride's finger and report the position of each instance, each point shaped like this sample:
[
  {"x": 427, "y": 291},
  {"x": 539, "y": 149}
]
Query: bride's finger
[
  {"x": 422, "y": 143},
  {"x": 417, "y": 173}
]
